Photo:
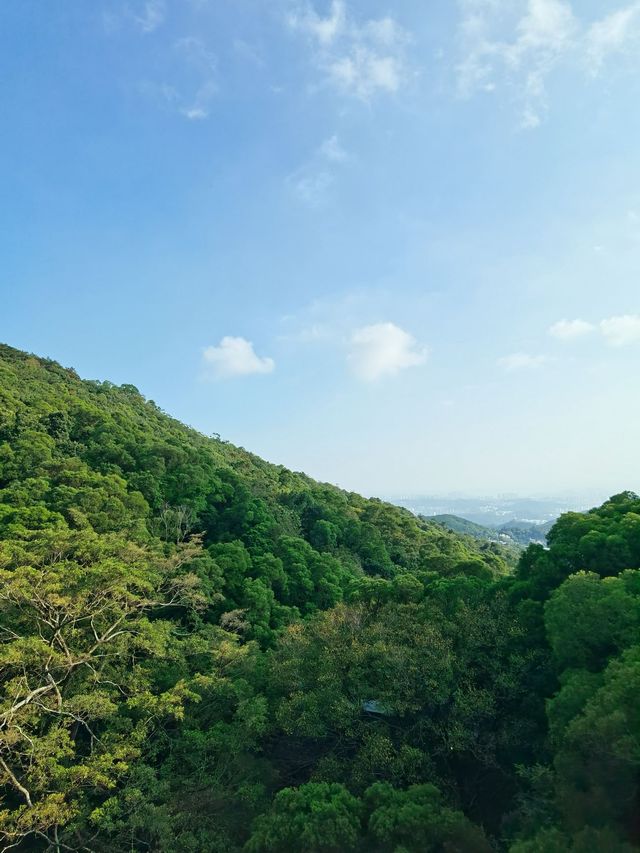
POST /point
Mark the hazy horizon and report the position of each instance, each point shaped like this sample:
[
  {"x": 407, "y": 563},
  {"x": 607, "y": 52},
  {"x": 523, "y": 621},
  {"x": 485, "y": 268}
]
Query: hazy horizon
[{"x": 395, "y": 247}]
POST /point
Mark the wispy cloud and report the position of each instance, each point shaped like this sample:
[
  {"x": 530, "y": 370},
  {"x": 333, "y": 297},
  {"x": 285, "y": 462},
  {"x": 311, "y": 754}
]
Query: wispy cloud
[
  {"x": 323, "y": 30},
  {"x": 361, "y": 59},
  {"x": 615, "y": 33},
  {"x": 332, "y": 318},
  {"x": 146, "y": 17},
  {"x": 312, "y": 182},
  {"x": 571, "y": 330},
  {"x": 204, "y": 66},
  {"x": 150, "y": 16},
  {"x": 192, "y": 68},
  {"x": 248, "y": 52},
  {"x": 313, "y": 334},
  {"x": 310, "y": 185},
  {"x": 383, "y": 349},
  {"x": 163, "y": 94},
  {"x": 523, "y": 50},
  {"x": 519, "y": 45},
  {"x": 234, "y": 357},
  {"x": 332, "y": 150},
  {"x": 522, "y": 361},
  {"x": 186, "y": 69}
]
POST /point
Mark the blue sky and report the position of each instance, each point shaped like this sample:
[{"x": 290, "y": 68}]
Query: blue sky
[{"x": 395, "y": 245}]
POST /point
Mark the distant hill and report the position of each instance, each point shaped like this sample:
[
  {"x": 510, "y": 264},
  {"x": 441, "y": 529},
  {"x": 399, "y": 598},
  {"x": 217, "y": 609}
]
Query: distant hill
[
  {"x": 487, "y": 539},
  {"x": 516, "y": 533},
  {"x": 524, "y": 532},
  {"x": 462, "y": 525}
]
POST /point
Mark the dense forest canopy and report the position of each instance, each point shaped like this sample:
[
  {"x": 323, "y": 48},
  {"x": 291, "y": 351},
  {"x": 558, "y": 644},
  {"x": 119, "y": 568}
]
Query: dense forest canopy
[{"x": 200, "y": 651}]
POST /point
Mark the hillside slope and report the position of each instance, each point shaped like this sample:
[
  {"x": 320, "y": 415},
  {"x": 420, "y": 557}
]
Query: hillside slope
[
  {"x": 200, "y": 651},
  {"x": 457, "y": 524},
  {"x": 102, "y": 456}
]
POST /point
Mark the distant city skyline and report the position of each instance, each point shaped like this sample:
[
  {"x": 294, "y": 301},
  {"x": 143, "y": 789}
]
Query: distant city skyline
[{"x": 395, "y": 246}]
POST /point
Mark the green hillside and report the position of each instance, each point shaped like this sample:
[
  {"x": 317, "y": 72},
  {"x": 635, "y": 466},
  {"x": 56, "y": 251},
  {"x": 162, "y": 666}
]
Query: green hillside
[
  {"x": 201, "y": 651},
  {"x": 462, "y": 525},
  {"x": 487, "y": 539},
  {"x": 100, "y": 456}
]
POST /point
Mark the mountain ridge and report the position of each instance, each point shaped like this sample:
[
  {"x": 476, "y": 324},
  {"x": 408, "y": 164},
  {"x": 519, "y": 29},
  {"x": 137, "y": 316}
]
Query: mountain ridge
[{"x": 88, "y": 409}]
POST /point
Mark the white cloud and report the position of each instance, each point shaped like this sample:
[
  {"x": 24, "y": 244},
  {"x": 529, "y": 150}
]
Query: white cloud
[
  {"x": 547, "y": 26},
  {"x": 518, "y": 45},
  {"x": 570, "y": 330},
  {"x": 385, "y": 31},
  {"x": 234, "y": 357},
  {"x": 522, "y": 361},
  {"x": 383, "y": 349},
  {"x": 524, "y": 49},
  {"x": 621, "y": 331},
  {"x": 617, "y": 331},
  {"x": 195, "y": 113},
  {"x": 364, "y": 72},
  {"x": 323, "y": 30},
  {"x": 612, "y": 34},
  {"x": 359, "y": 59},
  {"x": 475, "y": 70}
]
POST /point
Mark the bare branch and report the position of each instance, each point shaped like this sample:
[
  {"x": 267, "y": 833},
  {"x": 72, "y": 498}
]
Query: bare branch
[{"x": 16, "y": 784}]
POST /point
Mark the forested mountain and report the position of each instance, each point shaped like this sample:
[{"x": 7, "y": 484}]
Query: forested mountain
[{"x": 200, "y": 651}]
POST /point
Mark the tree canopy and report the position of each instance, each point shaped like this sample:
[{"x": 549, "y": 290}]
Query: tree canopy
[{"x": 201, "y": 651}]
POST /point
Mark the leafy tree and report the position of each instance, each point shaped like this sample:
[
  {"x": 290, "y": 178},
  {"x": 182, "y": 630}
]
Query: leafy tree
[
  {"x": 416, "y": 820},
  {"x": 315, "y": 818},
  {"x": 81, "y": 618}
]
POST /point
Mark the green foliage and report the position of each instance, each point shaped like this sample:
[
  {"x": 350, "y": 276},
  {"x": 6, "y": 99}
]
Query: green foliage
[
  {"x": 316, "y": 818},
  {"x": 591, "y": 584},
  {"x": 416, "y": 820},
  {"x": 200, "y": 651}
]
